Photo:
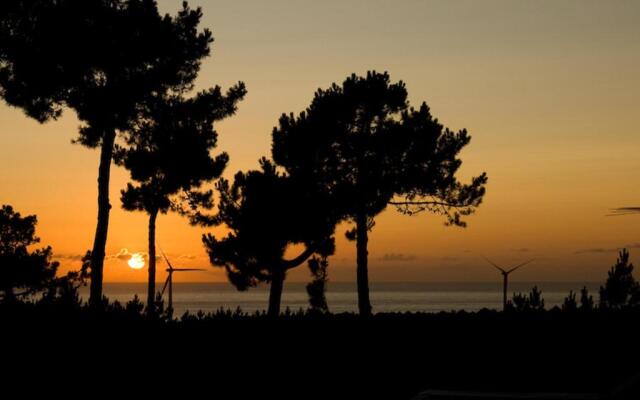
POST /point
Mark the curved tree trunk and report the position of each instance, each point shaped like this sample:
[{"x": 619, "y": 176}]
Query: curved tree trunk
[
  {"x": 100, "y": 239},
  {"x": 151, "y": 290},
  {"x": 275, "y": 294},
  {"x": 362, "y": 239}
]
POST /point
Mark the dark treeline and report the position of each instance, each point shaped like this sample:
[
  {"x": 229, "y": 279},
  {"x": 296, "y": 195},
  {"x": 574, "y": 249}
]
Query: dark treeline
[{"x": 321, "y": 356}]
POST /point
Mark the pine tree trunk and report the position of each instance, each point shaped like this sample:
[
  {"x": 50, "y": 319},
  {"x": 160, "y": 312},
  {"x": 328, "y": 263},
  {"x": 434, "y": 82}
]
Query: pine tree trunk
[
  {"x": 362, "y": 239},
  {"x": 275, "y": 294},
  {"x": 100, "y": 239},
  {"x": 151, "y": 290}
]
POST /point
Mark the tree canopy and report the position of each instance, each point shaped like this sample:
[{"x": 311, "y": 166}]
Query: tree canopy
[
  {"x": 266, "y": 212},
  {"x": 100, "y": 58},
  {"x": 168, "y": 152},
  {"x": 365, "y": 143},
  {"x": 22, "y": 268}
]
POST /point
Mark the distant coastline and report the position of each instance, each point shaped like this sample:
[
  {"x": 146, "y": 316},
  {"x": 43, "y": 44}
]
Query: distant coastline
[{"x": 341, "y": 296}]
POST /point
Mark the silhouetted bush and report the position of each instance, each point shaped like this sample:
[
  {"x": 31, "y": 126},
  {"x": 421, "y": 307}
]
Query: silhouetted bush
[
  {"x": 586, "y": 300},
  {"x": 621, "y": 288},
  {"x": 317, "y": 288},
  {"x": 21, "y": 269},
  {"x": 570, "y": 304},
  {"x": 530, "y": 302}
]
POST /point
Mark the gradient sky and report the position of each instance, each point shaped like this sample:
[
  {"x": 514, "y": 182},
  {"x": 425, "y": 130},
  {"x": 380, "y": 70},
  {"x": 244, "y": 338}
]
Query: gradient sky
[{"x": 549, "y": 91}]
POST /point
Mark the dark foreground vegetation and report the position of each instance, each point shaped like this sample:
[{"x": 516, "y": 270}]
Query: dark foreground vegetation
[{"x": 308, "y": 355}]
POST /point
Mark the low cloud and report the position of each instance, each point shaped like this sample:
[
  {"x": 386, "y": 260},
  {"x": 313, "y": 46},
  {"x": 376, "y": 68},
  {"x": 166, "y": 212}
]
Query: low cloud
[
  {"x": 123, "y": 255},
  {"x": 71, "y": 257},
  {"x": 602, "y": 250},
  {"x": 397, "y": 257}
]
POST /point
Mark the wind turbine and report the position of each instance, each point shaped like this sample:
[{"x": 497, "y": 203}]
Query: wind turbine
[
  {"x": 169, "y": 282},
  {"x": 505, "y": 276}
]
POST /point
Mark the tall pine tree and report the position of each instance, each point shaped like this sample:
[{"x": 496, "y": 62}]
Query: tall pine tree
[
  {"x": 168, "y": 154},
  {"x": 362, "y": 143}
]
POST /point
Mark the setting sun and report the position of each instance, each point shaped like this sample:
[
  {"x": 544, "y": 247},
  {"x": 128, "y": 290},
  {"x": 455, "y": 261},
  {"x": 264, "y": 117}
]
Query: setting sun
[{"x": 136, "y": 261}]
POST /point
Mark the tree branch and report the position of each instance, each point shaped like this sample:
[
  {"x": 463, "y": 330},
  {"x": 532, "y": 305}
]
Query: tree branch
[
  {"x": 289, "y": 264},
  {"x": 428, "y": 203}
]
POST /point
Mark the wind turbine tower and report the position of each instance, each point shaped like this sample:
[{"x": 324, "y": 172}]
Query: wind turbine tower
[{"x": 505, "y": 279}]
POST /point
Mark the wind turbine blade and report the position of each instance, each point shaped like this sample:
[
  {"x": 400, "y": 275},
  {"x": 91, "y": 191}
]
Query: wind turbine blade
[
  {"x": 189, "y": 269},
  {"x": 519, "y": 266},
  {"x": 165, "y": 258},
  {"x": 166, "y": 283},
  {"x": 492, "y": 263}
]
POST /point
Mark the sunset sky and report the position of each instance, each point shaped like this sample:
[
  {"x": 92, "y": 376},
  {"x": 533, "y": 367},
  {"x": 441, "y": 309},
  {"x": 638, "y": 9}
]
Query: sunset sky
[{"x": 549, "y": 91}]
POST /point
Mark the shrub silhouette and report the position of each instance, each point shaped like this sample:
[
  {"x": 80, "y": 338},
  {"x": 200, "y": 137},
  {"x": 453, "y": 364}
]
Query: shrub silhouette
[
  {"x": 621, "y": 289},
  {"x": 21, "y": 269},
  {"x": 533, "y": 301},
  {"x": 586, "y": 300},
  {"x": 317, "y": 288},
  {"x": 102, "y": 59},
  {"x": 570, "y": 304},
  {"x": 362, "y": 143}
]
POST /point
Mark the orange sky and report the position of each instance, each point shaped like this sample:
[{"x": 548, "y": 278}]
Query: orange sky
[{"x": 548, "y": 90}]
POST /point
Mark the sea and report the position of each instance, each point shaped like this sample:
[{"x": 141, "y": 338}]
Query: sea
[{"x": 342, "y": 296}]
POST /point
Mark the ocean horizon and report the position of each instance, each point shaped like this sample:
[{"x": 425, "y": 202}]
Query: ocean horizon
[{"x": 342, "y": 296}]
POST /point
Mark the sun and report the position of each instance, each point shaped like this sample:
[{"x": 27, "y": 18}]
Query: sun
[{"x": 136, "y": 261}]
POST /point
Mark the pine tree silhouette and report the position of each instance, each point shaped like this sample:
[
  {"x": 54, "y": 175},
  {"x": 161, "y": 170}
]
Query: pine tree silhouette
[
  {"x": 266, "y": 212},
  {"x": 362, "y": 143},
  {"x": 586, "y": 300},
  {"x": 22, "y": 269},
  {"x": 621, "y": 289},
  {"x": 533, "y": 301},
  {"x": 570, "y": 304},
  {"x": 168, "y": 156}
]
